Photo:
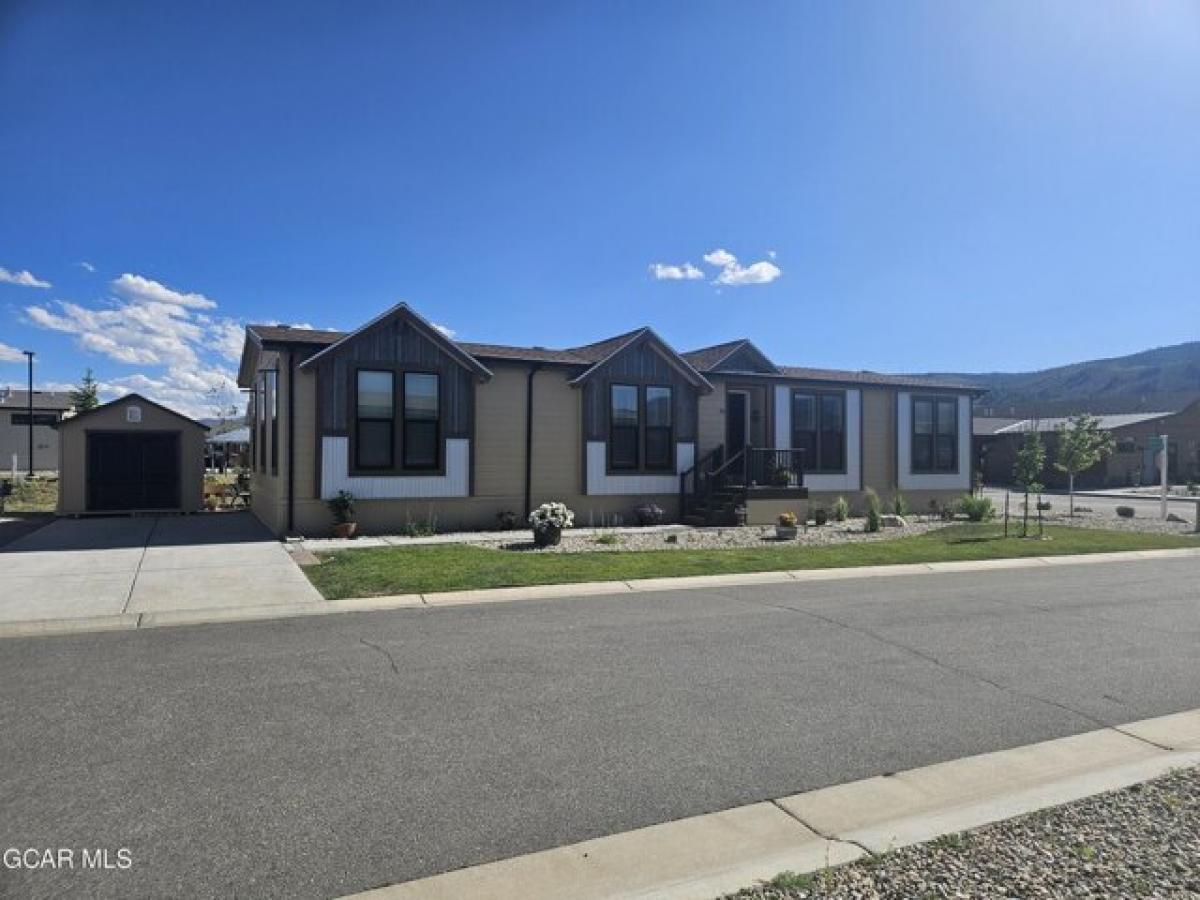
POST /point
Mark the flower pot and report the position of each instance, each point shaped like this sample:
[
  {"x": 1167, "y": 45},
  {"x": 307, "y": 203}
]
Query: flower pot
[
  {"x": 547, "y": 536},
  {"x": 785, "y": 532},
  {"x": 345, "y": 530}
]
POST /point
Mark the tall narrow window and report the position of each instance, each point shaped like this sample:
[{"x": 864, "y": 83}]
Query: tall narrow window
[
  {"x": 273, "y": 387},
  {"x": 374, "y": 420},
  {"x": 624, "y": 422},
  {"x": 934, "y": 434},
  {"x": 422, "y": 412},
  {"x": 819, "y": 429},
  {"x": 659, "y": 441},
  {"x": 260, "y": 409}
]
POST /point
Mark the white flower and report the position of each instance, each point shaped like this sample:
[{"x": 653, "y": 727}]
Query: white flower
[{"x": 555, "y": 514}]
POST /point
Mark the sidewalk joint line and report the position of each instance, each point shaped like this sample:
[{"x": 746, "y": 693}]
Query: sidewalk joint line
[
  {"x": 141, "y": 559},
  {"x": 821, "y": 834}
]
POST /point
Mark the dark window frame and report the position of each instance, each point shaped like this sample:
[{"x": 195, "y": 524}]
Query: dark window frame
[
  {"x": 812, "y": 463},
  {"x": 641, "y": 464},
  {"x": 272, "y": 385},
  {"x": 398, "y": 372},
  {"x": 934, "y": 400}
]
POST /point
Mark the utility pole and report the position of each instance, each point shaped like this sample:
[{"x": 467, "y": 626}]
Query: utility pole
[{"x": 29, "y": 354}]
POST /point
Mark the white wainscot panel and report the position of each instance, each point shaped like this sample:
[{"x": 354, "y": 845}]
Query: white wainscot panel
[
  {"x": 600, "y": 482},
  {"x": 921, "y": 481},
  {"x": 335, "y": 475},
  {"x": 851, "y": 480}
]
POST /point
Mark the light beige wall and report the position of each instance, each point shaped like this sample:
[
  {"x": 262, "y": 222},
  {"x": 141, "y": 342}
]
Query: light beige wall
[
  {"x": 72, "y": 435},
  {"x": 879, "y": 440},
  {"x": 711, "y": 426}
]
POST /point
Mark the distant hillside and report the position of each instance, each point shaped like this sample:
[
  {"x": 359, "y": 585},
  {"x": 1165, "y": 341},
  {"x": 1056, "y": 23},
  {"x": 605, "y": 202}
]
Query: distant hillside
[{"x": 1166, "y": 378}]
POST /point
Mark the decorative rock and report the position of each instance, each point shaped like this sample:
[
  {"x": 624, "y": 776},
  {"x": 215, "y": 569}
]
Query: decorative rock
[
  {"x": 1172, "y": 517},
  {"x": 888, "y": 520}
]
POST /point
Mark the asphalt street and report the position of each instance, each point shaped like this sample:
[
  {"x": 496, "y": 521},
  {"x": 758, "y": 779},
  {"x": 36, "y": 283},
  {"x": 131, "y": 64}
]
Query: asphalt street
[{"x": 320, "y": 756}]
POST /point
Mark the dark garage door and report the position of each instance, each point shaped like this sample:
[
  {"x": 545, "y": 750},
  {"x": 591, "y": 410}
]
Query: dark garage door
[{"x": 133, "y": 470}]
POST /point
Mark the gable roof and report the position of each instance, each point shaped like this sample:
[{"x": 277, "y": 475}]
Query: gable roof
[
  {"x": 405, "y": 312},
  {"x": 120, "y": 401},
  {"x": 286, "y": 334},
  {"x": 15, "y": 399},
  {"x": 709, "y": 359},
  {"x": 603, "y": 351}
]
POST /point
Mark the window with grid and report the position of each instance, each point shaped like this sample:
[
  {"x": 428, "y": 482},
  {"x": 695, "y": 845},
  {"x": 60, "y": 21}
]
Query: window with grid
[
  {"x": 934, "y": 434},
  {"x": 819, "y": 429}
]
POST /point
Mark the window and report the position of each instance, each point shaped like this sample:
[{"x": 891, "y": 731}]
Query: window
[
  {"x": 819, "y": 429},
  {"x": 624, "y": 427},
  {"x": 422, "y": 412},
  {"x": 260, "y": 409},
  {"x": 38, "y": 419},
  {"x": 374, "y": 420},
  {"x": 934, "y": 434},
  {"x": 659, "y": 443},
  {"x": 273, "y": 387}
]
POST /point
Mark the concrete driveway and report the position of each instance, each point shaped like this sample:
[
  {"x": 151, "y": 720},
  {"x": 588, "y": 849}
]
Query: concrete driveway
[{"x": 76, "y": 568}]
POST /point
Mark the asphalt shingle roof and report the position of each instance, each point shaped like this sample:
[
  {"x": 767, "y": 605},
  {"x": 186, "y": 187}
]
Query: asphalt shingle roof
[{"x": 10, "y": 398}]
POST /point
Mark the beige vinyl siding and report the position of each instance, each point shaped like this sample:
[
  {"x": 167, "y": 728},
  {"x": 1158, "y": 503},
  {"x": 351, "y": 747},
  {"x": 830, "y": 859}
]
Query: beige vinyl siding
[
  {"x": 879, "y": 440},
  {"x": 711, "y": 426}
]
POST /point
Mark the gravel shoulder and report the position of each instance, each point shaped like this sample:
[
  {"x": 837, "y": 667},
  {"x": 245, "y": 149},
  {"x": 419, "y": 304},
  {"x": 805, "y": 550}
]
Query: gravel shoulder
[{"x": 1143, "y": 841}]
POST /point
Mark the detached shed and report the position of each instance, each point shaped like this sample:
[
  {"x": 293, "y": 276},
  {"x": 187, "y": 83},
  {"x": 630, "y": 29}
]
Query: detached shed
[{"x": 130, "y": 455}]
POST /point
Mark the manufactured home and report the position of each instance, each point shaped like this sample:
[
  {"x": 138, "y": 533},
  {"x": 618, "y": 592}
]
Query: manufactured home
[{"x": 426, "y": 430}]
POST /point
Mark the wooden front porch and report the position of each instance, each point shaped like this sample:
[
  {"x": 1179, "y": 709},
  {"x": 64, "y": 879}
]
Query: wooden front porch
[{"x": 711, "y": 491}]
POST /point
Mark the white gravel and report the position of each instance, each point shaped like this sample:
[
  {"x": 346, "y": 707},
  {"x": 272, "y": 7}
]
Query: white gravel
[
  {"x": 1143, "y": 841},
  {"x": 684, "y": 538}
]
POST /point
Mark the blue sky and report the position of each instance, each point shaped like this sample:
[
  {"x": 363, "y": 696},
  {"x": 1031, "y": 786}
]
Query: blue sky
[{"x": 906, "y": 187}]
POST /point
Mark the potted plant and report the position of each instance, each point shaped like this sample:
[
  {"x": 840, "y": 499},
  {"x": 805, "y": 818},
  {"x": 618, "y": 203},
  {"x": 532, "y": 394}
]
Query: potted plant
[
  {"x": 785, "y": 526},
  {"x": 548, "y": 522},
  {"x": 342, "y": 507}
]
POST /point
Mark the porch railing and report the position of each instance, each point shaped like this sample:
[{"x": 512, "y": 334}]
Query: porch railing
[{"x": 774, "y": 468}]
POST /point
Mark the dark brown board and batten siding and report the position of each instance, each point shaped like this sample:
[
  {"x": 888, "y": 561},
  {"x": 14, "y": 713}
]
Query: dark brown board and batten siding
[
  {"x": 639, "y": 364},
  {"x": 394, "y": 344}
]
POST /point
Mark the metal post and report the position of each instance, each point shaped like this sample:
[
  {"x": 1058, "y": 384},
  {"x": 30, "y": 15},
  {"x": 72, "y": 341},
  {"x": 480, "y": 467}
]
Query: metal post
[
  {"x": 29, "y": 354},
  {"x": 1006, "y": 493},
  {"x": 1164, "y": 462}
]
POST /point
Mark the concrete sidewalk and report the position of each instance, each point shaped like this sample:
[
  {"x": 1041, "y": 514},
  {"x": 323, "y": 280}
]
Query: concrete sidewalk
[
  {"x": 110, "y": 570},
  {"x": 706, "y": 856},
  {"x": 310, "y": 603}
]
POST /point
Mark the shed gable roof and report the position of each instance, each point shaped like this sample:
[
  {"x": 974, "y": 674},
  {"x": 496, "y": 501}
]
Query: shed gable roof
[{"x": 126, "y": 400}]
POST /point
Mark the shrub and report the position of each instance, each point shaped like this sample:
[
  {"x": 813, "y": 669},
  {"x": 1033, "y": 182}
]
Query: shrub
[
  {"x": 841, "y": 510},
  {"x": 650, "y": 514},
  {"x": 874, "y": 510},
  {"x": 976, "y": 509},
  {"x": 899, "y": 504},
  {"x": 506, "y": 520},
  {"x": 787, "y": 519},
  {"x": 1125, "y": 512},
  {"x": 1045, "y": 505},
  {"x": 342, "y": 507},
  {"x": 820, "y": 516}
]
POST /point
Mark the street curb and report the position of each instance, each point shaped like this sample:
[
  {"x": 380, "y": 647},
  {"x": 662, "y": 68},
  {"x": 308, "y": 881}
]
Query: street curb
[
  {"x": 566, "y": 591},
  {"x": 705, "y": 856}
]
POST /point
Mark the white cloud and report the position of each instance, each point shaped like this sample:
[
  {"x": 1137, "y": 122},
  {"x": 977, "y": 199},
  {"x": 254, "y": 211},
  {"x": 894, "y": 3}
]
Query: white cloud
[
  {"x": 667, "y": 272},
  {"x": 10, "y": 354},
  {"x": 448, "y": 332},
  {"x": 86, "y": 266},
  {"x": 735, "y": 274},
  {"x": 150, "y": 324},
  {"x": 137, "y": 289},
  {"x": 23, "y": 278}
]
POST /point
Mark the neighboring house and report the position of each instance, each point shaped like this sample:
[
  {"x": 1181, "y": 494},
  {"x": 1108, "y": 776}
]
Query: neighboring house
[
  {"x": 229, "y": 449},
  {"x": 49, "y": 407},
  {"x": 424, "y": 429},
  {"x": 1132, "y": 462}
]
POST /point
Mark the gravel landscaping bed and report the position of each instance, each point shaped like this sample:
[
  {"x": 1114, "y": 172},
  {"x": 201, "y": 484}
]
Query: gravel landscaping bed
[
  {"x": 1143, "y": 841},
  {"x": 1113, "y": 522},
  {"x": 683, "y": 538}
]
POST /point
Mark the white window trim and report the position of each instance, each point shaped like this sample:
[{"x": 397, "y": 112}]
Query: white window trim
[
  {"x": 599, "y": 482},
  {"x": 335, "y": 475},
  {"x": 932, "y": 481},
  {"x": 851, "y": 480}
]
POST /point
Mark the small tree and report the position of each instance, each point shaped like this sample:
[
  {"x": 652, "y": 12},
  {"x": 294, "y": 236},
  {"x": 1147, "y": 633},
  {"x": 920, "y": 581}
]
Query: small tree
[
  {"x": 1081, "y": 444},
  {"x": 87, "y": 395},
  {"x": 1027, "y": 471}
]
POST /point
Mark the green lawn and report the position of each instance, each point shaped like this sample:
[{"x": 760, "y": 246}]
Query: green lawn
[{"x": 379, "y": 571}]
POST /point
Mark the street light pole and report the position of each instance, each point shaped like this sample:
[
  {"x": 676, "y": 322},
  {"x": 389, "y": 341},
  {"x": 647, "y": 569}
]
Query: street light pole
[{"x": 29, "y": 354}]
